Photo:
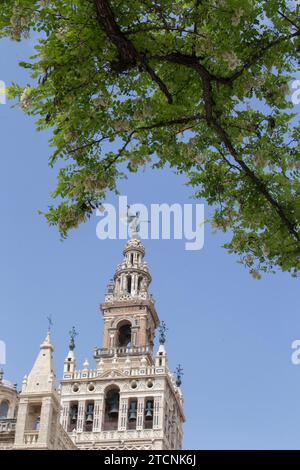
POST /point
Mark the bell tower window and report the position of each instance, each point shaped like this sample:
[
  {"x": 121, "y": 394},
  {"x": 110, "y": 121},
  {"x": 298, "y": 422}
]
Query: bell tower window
[
  {"x": 73, "y": 416},
  {"x": 129, "y": 284},
  {"x": 149, "y": 413},
  {"x": 112, "y": 400},
  {"x": 89, "y": 416},
  {"x": 132, "y": 414},
  {"x": 124, "y": 335}
]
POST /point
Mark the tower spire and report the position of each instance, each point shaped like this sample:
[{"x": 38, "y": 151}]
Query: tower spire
[
  {"x": 70, "y": 361},
  {"x": 42, "y": 374},
  {"x": 132, "y": 277}
]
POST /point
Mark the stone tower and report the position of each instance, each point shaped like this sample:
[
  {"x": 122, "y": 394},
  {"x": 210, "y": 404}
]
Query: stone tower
[
  {"x": 130, "y": 400},
  {"x": 37, "y": 425},
  {"x": 8, "y": 411}
]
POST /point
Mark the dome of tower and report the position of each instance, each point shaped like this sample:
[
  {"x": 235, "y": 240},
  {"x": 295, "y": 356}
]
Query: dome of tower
[{"x": 134, "y": 244}]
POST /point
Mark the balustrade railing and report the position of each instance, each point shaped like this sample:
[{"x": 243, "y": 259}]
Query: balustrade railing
[
  {"x": 121, "y": 351},
  {"x": 7, "y": 425},
  {"x": 31, "y": 437}
]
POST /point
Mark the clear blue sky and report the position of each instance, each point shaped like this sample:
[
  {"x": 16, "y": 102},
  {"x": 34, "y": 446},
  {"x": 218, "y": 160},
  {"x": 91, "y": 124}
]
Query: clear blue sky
[{"x": 232, "y": 334}]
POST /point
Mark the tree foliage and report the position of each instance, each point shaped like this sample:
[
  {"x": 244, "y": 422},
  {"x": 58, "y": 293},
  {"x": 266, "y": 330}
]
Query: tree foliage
[{"x": 201, "y": 85}]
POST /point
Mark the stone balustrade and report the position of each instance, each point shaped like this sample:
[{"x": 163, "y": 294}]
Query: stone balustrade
[
  {"x": 7, "y": 425},
  {"x": 31, "y": 438},
  {"x": 121, "y": 351}
]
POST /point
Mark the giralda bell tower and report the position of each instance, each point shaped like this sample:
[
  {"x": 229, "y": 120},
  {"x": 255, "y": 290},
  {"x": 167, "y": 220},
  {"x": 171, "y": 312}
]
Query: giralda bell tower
[{"x": 130, "y": 400}]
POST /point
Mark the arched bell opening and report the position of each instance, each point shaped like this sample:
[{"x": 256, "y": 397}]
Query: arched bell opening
[
  {"x": 33, "y": 418},
  {"x": 111, "y": 415},
  {"x": 132, "y": 413},
  {"x": 124, "y": 335},
  {"x": 129, "y": 284},
  {"x": 73, "y": 416},
  {"x": 89, "y": 416},
  {"x": 148, "y": 413},
  {"x": 4, "y": 407}
]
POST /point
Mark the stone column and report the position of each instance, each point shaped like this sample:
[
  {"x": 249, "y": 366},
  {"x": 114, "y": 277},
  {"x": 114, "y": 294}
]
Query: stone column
[
  {"x": 98, "y": 415},
  {"x": 81, "y": 415},
  {"x": 142, "y": 335},
  {"x": 21, "y": 422},
  {"x": 46, "y": 422},
  {"x": 134, "y": 283},
  {"x": 106, "y": 334},
  {"x": 157, "y": 413},
  {"x": 140, "y": 413},
  {"x": 123, "y": 412},
  {"x": 65, "y": 415}
]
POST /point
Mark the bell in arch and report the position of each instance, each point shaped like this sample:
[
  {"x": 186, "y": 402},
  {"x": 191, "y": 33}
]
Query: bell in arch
[
  {"x": 90, "y": 413},
  {"x": 149, "y": 410},
  {"x": 132, "y": 413},
  {"x": 113, "y": 410},
  {"x": 73, "y": 413}
]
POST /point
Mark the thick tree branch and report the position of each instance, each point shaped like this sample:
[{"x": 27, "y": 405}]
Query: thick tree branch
[
  {"x": 128, "y": 54},
  {"x": 225, "y": 139}
]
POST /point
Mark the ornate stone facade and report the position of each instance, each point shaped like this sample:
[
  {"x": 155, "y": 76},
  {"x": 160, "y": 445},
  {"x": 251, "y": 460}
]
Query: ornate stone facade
[
  {"x": 129, "y": 400},
  {"x": 8, "y": 411}
]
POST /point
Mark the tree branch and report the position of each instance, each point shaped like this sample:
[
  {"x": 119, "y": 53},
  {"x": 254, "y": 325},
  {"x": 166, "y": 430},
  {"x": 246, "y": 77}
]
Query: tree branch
[
  {"x": 128, "y": 54},
  {"x": 259, "y": 54}
]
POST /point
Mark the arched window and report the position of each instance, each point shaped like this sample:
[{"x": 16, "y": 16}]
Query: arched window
[
  {"x": 129, "y": 283},
  {"x": 124, "y": 335},
  {"x": 73, "y": 415},
  {"x": 4, "y": 406},
  {"x": 111, "y": 416}
]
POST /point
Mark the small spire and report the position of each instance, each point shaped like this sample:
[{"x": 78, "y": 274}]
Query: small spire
[
  {"x": 42, "y": 377},
  {"x": 46, "y": 344}
]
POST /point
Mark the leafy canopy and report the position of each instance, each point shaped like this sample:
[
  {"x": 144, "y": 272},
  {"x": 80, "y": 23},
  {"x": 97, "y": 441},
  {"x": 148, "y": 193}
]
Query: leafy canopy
[{"x": 200, "y": 85}]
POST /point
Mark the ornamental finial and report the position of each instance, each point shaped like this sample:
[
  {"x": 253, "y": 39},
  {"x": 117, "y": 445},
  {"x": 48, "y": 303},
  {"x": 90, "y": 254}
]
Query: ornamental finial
[
  {"x": 162, "y": 332},
  {"x": 179, "y": 374},
  {"x": 50, "y": 323},
  {"x": 72, "y": 333}
]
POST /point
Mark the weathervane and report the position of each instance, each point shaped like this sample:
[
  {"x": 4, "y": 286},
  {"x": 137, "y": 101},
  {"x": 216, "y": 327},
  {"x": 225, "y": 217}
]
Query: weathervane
[
  {"x": 179, "y": 374},
  {"x": 72, "y": 333},
  {"x": 50, "y": 323},
  {"x": 162, "y": 332}
]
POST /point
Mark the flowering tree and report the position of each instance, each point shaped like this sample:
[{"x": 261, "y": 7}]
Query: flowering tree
[{"x": 201, "y": 85}]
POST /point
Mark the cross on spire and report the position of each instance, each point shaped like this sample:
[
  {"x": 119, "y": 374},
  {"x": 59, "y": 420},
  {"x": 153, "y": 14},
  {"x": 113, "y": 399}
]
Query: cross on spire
[
  {"x": 50, "y": 323},
  {"x": 179, "y": 374},
  {"x": 72, "y": 333}
]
